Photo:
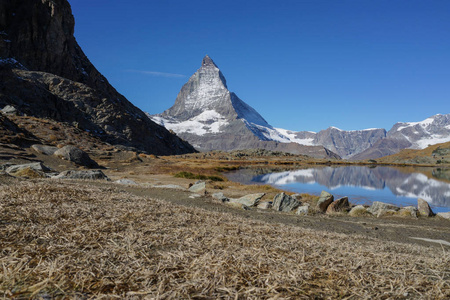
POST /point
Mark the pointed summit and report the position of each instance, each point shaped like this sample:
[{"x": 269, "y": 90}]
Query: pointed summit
[{"x": 207, "y": 61}]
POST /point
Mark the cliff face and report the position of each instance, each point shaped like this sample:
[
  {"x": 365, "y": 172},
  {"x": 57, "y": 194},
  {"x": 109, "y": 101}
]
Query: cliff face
[{"x": 44, "y": 73}]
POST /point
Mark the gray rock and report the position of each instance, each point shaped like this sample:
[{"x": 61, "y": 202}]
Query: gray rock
[
  {"x": 84, "y": 174},
  {"x": 424, "y": 208},
  {"x": 338, "y": 205},
  {"x": 265, "y": 205},
  {"x": 248, "y": 200},
  {"x": 9, "y": 110},
  {"x": 445, "y": 215},
  {"x": 219, "y": 196},
  {"x": 125, "y": 181},
  {"x": 34, "y": 166},
  {"x": 297, "y": 197},
  {"x": 76, "y": 155},
  {"x": 409, "y": 211},
  {"x": 169, "y": 186},
  {"x": 193, "y": 196},
  {"x": 377, "y": 207},
  {"x": 283, "y": 202},
  {"x": 44, "y": 149},
  {"x": 324, "y": 200},
  {"x": 358, "y": 211},
  {"x": 303, "y": 210},
  {"x": 198, "y": 187}
]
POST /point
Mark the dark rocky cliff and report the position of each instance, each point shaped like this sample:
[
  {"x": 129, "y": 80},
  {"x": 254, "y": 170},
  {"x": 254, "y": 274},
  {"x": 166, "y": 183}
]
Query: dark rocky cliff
[{"x": 44, "y": 73}]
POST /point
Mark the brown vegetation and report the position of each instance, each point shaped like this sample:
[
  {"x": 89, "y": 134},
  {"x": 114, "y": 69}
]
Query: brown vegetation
[{"x": 66, "y": 240}]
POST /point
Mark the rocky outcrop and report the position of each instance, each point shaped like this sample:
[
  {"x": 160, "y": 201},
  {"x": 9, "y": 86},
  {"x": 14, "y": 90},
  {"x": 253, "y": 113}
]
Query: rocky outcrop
[
  {"x": 380, "y": 208},
  {"x": 44, "y": 73},
  {"x": 339, "y": 205},
  {"x": 286, "y": 203},
  {"x": 75, "y": 155},
  {"x": 248, "y": 200}
]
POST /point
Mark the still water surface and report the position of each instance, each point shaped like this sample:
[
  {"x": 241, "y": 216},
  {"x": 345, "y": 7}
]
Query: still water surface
[{"x": 362, "y": 185}]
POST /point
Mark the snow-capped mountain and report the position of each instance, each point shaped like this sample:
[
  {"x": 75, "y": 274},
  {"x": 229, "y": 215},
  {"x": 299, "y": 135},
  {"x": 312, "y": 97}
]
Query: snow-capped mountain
[
  {"x": 210, "y": 117},
  {"x": 411, "y": 135}
]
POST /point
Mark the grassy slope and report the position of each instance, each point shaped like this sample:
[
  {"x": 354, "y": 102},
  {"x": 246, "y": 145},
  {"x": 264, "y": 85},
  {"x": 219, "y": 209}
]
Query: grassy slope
[
  {"x": 419, "y": 156},
  {"x": 65, "y": 240}
]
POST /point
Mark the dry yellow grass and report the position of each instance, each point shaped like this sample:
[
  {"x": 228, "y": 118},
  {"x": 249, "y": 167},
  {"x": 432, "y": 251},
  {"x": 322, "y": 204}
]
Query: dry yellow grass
[{"x": 65, "y": 240}]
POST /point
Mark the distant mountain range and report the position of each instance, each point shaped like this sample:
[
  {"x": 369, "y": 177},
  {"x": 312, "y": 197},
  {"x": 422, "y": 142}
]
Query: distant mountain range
[{"x": 210, "y": 117}]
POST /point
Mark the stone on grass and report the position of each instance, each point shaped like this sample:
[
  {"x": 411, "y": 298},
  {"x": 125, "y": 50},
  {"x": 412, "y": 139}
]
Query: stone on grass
[
  {"x": 248, "y": 200},
  {"x": 408, "y": 211},
  {"x": 378, "y": 207},
  {"x": 265, "y": 205},
  {"x": 219, "y": 196},
  {"x": 338, "y": 205},
  {"x": 424, "y": 208},
  {"x": 82, "y": 174},
  {"x": 193, "y": 196},
  {"x": 324, "y": 200},
  {"x": 75, "y": 155},
  {"x": 169, "y": 186},
  {"x": 198, "y": 187},
  {"x": 44, "y": 149},
  {"x": 297, "y": 197},
  {"x": 302, "y": 210},
  {"x": 358, "y": 210},
  {"x": 29, "y": 173},
  {"x": 283, "y": 202},
  {"x": 125, "y": 181},
  {"x": 444, "y": 215},
  {"x": 34, "y": 166}
]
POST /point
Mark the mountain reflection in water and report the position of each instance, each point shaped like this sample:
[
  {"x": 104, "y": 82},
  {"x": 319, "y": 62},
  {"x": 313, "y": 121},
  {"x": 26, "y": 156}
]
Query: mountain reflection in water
[{"x": 366, "y": 181}]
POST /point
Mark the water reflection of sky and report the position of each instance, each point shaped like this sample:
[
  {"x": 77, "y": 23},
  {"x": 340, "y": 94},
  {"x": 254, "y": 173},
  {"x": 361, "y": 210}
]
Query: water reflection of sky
[{"x": 362, "y": 185}]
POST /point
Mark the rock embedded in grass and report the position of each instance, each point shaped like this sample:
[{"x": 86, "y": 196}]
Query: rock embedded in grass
[
  {"x": 409, "y": 211},
  {"x": 248, "y": 200},
  {"x": 377, "y": 207},
  {"x": 324, "y": 200},
  {"x": 75, "y": 155},
  {"x": 338, "y": 205},
  {"x": 358, "y": 211},
  {"x": 37, "y": 166},
  {"x": 219, "y": 196},
  {"x": 302, "y": 210},
  {"x": 82, "y": 174},
  {"x": 424, "y": 208},
  {"x": 198, "y": 186},
  {"x": 286, "y": 203},
  {"x": 44, "y": 149},
  {"x": 445, "y": 215}
]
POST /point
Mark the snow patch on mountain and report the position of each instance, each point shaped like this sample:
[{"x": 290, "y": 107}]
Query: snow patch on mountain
[
  {"x": 291, "y": 135},
  {"x": 208, "y": 121}
]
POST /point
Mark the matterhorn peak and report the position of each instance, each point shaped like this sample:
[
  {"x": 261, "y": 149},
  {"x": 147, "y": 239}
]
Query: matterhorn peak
[{"x": 207, "y": 62}]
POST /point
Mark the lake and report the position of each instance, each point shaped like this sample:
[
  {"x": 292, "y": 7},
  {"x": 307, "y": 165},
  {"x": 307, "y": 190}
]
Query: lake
[{"x": 363, "y": 185}]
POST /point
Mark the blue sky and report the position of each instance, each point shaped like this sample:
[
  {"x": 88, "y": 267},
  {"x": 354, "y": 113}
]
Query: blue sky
[{"x": 303, "y": 65}]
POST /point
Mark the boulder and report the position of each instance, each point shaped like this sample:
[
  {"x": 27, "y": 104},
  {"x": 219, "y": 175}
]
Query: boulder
[
  {"x": 29, "y": 173},
  {"x": 324, "y": 200},
  {"x": 338, "y": 205},
  {"x": 358, "y": 210},
  {"x": 297, "y": 197},
  {"x": 265, "y": 205},
  {"x": 283, "y": 202},
  {"x": 302, "y": 210},
  {"x": 84, "y": 174},
  {"x": 9, "y": 110},
  {"x": 424, "y": 208},
  {"x": 377, "y": 207},
  {"x": 248, "y": 200},
  {"x": 408, "y": 211},
  {"x": 76, "y": 155},
  {"x": 198, "y": 187},
  {"x": 37, "y": 166},
  {"x": 44, "y": 149},
  {"x": 445, "y": 215}
]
